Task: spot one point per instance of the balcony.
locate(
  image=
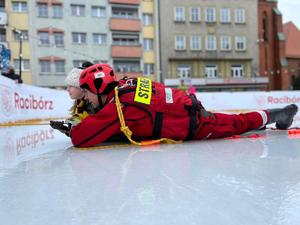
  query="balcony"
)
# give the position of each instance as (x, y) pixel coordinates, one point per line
(118, 51)
(120, 75)
(121, 24)
(3, 43)
(126, 2)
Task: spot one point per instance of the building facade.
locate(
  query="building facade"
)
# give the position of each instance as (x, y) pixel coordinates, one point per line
(132, 25)
(17, 37)
(3, 36)
(59, 35)
(78, 32)
(150, 39)
(126, 30)
(215, 45)
(292, 51)
(211, 44)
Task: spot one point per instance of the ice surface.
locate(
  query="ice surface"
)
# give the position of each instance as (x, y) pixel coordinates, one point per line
(254, 179)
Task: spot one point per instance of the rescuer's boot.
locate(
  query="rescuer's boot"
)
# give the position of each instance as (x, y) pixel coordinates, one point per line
(282, 117)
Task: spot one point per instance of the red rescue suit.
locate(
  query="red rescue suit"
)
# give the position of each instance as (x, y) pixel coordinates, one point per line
(171, 114)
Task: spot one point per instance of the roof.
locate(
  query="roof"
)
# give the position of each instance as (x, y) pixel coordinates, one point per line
(277, 11)
(292, 33)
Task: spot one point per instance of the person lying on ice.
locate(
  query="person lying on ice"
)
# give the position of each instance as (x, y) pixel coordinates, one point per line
(146, 111)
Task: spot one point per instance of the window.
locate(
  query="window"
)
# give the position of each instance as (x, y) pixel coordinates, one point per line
(125, 13)
(148, 44)
(148, 69)
(78, 63)
(79, 38)
(24, 35)
(225, 43)
(127, 66)
(100, 61)
(25, 64)
(225, 15)
(125, 39)
(59, 66)
(77, 10)
(42, 9)
(179, 14)
(57, 11)
(240, 43)
(265, 27)
(195, 14)
(211, 43)
(99, 39)
(211, 71)
(44, 38)
(184, 71)
(195, 42)
(147, 19)
(45, 66)
(98, 11)
(58, 39)
(180, 42)
(210, 14)
(2, 35)
(19, 6)
(240, 16)
(237, 71)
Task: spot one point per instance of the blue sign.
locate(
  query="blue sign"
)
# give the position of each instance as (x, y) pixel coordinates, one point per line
(5, 57)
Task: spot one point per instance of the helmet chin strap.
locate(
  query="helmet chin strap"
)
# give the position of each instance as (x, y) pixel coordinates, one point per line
(99, 100)
(97, 86)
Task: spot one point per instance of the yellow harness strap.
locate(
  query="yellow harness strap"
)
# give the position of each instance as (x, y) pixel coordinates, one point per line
(128, 133)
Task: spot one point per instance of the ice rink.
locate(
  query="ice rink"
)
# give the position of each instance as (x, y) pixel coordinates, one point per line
(252, 179)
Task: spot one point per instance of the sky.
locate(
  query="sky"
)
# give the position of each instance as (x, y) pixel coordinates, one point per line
(290, 10)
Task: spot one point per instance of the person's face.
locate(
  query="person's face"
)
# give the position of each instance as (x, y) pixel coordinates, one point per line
(75, 92)
(91, 97)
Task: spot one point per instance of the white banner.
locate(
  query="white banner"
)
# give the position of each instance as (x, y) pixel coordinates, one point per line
(249, 101)
(20, 102)
(23, 143)
(24, 102)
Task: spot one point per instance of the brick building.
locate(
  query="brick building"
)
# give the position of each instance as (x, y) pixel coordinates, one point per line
(271, 40)
(292, 51)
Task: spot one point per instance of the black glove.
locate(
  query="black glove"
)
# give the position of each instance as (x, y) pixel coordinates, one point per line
(61, 126)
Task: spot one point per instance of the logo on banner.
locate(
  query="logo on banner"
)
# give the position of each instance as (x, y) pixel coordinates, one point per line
(6, 101)
(260, 100)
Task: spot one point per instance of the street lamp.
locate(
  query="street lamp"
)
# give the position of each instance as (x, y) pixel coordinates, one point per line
(19, 32)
